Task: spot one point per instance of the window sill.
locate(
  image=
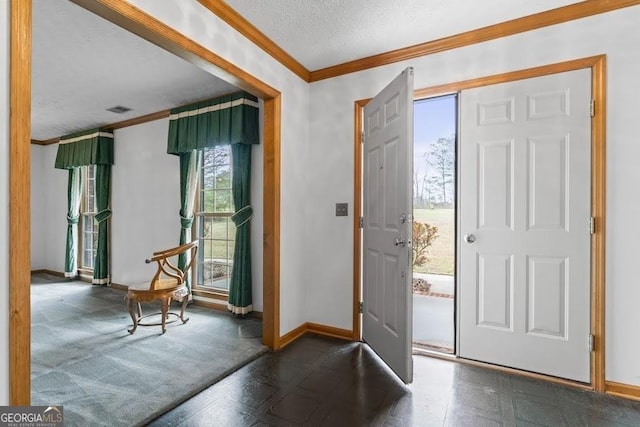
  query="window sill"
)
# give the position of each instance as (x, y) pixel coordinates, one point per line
(210, 293)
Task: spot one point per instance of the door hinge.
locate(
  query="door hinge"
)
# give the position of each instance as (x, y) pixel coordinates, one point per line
(592, 225)
(591, 342)
(361, 307)
(362, 137)
(361, 222)
(592, 108)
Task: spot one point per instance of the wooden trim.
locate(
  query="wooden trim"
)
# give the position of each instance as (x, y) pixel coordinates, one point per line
(330, 331)
(19, 204)
(220, 296)
(626, 391)
(47, 271)
(598, 203)
(134, 20)
(292, 335)
(598, 186)
(46, 142)
(119, 287)
(131, 18)
(527, 73)
(559, 15)
(244, 27)
(138, 120)
(315, 328)
(210, 304)
(357, 214)
(271, 224)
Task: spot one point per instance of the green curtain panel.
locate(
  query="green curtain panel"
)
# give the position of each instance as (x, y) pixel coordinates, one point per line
(189, 175)
(227, 120)
(240, 301)
(103, 191)
(92, 147)
(230, 119)
(74, 195)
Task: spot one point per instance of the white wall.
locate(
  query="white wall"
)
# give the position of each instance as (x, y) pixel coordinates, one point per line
(329, 291)
(145, 200)
(38, 205)
(55, 210)
(4, 201)
(198, 23)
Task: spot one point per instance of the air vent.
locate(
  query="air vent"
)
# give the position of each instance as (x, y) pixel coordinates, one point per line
(119, 109)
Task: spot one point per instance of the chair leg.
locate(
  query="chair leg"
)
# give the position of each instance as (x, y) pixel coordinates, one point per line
(165, 313)
(139, 311)
(185, 300)
(132, 312)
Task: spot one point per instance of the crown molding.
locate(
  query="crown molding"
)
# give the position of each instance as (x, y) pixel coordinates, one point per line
(247, 29)
(503, 29)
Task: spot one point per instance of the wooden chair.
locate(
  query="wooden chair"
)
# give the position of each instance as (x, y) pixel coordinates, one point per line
(169, 283)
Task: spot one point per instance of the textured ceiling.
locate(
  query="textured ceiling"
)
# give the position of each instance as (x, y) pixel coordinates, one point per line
(319, 34)
(83, 65)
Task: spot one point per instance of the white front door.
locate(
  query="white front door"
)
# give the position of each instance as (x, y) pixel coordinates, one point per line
(387, 208)
(524, 236)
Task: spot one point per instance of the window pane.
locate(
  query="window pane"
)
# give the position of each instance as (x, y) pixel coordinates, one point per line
(223, 201)
(215, 231)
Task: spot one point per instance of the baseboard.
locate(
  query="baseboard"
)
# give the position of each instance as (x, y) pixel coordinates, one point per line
(329, 331)
(317, 329)
(46, 271)
(119, 287)
(626, 391)
(293, 335)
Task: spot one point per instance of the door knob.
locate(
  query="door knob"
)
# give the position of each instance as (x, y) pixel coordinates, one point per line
(469, 238)
(400, 241)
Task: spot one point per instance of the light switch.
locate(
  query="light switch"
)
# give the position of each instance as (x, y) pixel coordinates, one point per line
(342, 209)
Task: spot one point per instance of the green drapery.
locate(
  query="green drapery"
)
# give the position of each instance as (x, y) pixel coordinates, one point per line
(93, 147)
(103, 191)
(240, 301)
(74, 195)
(189, 175)
(230, 119)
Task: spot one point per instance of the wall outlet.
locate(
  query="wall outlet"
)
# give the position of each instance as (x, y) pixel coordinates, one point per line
(342, 209)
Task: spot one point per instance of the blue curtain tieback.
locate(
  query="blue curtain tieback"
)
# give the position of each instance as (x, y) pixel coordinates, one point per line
(242, 216)
(185, 221)
(73, 220)
(103, 215)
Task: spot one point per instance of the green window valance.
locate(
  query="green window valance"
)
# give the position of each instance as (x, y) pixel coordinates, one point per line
(93, 147)
(229, 119)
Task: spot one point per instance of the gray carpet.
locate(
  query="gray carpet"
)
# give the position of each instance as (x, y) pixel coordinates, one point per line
(83, 358)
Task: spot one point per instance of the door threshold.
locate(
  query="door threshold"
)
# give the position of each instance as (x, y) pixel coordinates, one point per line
(527, 374)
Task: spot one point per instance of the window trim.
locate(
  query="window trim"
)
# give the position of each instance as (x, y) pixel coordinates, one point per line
(82, 269)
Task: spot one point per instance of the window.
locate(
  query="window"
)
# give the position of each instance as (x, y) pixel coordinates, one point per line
(88, 224)
(215, 231)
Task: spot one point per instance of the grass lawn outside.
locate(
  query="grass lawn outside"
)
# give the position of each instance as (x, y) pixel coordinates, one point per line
(441, 255)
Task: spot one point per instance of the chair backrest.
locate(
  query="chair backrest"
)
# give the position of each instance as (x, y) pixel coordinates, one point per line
(169, 269)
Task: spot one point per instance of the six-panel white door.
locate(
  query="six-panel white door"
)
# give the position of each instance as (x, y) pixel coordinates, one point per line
(524, 235)
(387, 209)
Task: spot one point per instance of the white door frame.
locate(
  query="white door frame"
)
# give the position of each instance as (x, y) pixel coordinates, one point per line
(597, 64)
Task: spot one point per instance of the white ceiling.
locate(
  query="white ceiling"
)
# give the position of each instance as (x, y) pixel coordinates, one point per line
(321, 33)
(83, 65)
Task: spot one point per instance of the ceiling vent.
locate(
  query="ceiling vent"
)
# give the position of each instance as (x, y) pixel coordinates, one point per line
(119, 109)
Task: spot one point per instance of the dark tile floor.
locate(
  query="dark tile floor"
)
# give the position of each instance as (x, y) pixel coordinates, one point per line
(319, 381)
